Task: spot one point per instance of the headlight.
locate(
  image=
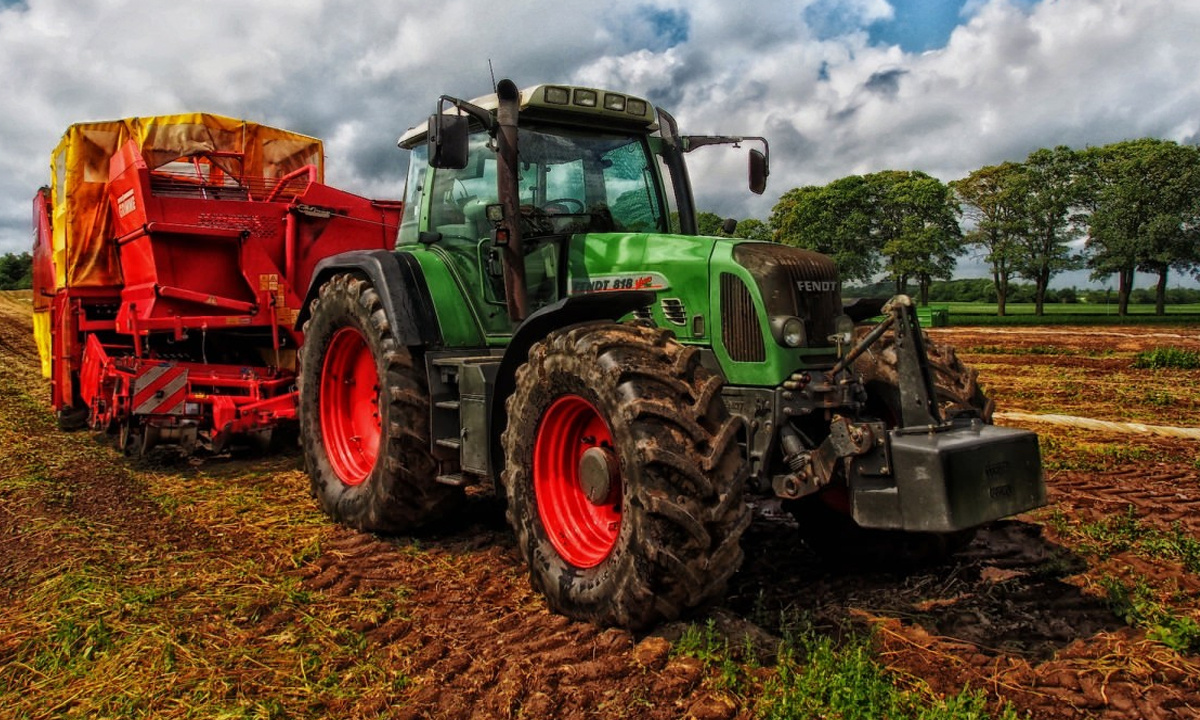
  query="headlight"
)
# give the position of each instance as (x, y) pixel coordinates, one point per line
(788, 330)
(843, 327)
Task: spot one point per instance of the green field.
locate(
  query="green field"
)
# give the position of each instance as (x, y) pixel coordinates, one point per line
(1066, 314)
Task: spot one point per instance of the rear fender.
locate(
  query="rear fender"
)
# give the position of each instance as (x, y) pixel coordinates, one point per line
(402, 290)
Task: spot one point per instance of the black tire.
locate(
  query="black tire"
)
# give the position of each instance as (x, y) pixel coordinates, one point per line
(956, 385)
(397, 491)
(825, 523)
(72, 418)
(679, 493)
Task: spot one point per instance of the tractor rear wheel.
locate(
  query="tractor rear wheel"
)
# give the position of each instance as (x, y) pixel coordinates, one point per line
(824, 519)
(364, 416)
(624, 475)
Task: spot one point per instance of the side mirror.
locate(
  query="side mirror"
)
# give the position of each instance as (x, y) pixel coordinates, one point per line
(758, 172)
(448, 145)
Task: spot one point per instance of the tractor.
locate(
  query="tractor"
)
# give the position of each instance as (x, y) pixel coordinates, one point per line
(550, 327)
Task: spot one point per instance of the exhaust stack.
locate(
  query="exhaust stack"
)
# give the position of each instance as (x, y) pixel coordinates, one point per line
(507, 190)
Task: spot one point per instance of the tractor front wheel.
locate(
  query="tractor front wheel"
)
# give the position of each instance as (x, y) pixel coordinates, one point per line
(364, 416)
(624, 475)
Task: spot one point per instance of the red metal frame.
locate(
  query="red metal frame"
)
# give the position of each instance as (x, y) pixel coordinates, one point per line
(212, 266)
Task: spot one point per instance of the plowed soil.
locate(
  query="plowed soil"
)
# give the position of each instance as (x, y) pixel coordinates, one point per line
(208, 587)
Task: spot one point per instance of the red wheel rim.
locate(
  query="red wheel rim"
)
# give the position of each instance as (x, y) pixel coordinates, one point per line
(349, 406)
(583, 531)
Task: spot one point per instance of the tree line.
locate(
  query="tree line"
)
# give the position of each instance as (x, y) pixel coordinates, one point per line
(1136, 205)
(982, 291)
(16, 271)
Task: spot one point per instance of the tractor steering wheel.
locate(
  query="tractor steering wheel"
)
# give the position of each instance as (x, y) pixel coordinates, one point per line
(562, 206)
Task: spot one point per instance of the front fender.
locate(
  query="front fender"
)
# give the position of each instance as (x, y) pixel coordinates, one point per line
(402, 289)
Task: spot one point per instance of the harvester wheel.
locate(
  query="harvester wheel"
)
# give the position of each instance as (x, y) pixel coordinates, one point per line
(824, 518)
(624, 475)
(364, 416)
(72, 418)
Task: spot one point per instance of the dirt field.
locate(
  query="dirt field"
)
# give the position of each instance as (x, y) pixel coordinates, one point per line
(215, 588)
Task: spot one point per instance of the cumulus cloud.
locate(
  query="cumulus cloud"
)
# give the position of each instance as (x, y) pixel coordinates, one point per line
(833, 98)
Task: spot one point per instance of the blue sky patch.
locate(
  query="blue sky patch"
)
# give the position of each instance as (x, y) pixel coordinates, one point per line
(915, 25)
(918, 25)
(667, 27)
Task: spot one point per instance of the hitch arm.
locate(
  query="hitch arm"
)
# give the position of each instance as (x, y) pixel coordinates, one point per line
(918, 401)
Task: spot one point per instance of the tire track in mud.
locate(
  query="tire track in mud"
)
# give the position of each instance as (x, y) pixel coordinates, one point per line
(478, 642)
(1101, 668)
(1163, 494)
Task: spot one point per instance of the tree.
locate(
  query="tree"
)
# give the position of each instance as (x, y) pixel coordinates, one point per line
(16, 271)
(710, 224)
(1053, 194)
(1144, 212)
(993, 199)
(753, 229)
(834, 219)
(915, 226)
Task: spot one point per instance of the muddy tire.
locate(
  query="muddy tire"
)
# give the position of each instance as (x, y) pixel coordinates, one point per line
(364, 416)
(824, 519)
(624, 475)
(956, 385)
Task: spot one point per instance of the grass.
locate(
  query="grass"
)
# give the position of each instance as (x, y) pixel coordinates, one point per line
(1126, 531)
(1167, 357)
(1138, 606)
(826, 675)
(1066, 452)
(1067, 314)
(1055, 309)
(1052, 350)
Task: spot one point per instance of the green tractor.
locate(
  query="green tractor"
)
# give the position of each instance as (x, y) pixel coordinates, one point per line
(551, 327)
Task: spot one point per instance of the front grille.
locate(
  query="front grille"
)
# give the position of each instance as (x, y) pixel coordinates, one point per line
(740, 330)
(796, 282)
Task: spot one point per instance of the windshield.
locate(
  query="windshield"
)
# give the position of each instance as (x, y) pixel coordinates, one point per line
(569, 181)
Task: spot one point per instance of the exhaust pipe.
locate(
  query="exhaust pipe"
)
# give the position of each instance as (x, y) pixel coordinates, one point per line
(516, 297)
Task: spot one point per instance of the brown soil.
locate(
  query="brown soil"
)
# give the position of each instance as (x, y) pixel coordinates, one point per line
(446, 625)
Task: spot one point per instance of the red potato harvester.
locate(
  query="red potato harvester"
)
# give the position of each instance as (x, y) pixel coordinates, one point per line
(171, 257)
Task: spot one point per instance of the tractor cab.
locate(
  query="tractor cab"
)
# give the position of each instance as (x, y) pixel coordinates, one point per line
(570, 180)
(584, 162)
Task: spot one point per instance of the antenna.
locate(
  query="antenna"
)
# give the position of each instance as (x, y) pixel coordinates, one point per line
(493, 73)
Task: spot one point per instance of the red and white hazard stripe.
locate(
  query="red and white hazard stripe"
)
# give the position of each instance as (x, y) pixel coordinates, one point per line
(160, 390)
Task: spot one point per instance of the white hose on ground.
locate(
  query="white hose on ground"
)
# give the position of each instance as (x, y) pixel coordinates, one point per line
(1104, 425)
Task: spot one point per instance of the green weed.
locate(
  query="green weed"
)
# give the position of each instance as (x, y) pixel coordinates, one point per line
(817, 675)
(712, 649)
(1127, 532)
(1167, 357)
(1137, 607)
(1060, 455)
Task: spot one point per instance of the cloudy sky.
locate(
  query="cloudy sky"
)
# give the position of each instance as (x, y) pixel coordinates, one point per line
(838, 86)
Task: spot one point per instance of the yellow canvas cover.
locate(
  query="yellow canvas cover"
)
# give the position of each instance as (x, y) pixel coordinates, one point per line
(84, 254)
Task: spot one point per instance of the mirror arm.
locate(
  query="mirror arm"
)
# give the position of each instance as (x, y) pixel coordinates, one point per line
(484, 117)
(691, 142)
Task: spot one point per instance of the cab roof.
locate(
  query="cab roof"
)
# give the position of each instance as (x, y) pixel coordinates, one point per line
(567, 103)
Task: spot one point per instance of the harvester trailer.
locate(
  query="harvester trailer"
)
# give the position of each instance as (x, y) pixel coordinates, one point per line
(171, 256)
(550, 327)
